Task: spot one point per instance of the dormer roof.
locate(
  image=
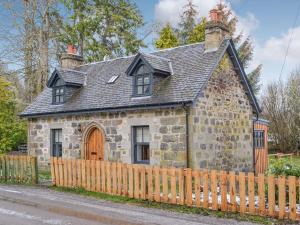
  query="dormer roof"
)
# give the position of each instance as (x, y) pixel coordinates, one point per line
(156, 64)
(70, 77)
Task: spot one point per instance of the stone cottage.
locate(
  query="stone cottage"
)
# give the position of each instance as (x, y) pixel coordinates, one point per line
(190, 106)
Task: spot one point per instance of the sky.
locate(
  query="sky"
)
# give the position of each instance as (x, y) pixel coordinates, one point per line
(269, 23)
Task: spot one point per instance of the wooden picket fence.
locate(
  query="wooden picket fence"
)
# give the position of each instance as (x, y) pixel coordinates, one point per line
(18, 169)
(216, 190)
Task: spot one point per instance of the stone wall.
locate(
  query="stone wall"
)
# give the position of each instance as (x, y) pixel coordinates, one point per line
(221, 123)
(167, 130)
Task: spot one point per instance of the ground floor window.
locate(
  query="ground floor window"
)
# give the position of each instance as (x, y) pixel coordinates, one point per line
(259, 139)
(141, 145)
(56, 137)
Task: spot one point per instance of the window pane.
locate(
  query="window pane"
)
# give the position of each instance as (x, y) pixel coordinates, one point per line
(59, 135)
(143, 153)
(259, 139)
(146, 135)
(147, 89)
(140, 90)
(139, 80)
(146, 79)
(57, 91)
(61, 98)
(61, 90)
(139, 134)
(55, 136)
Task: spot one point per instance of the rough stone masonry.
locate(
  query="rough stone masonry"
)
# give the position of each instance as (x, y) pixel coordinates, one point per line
(167, 135)
(220, 134)
(221, 123)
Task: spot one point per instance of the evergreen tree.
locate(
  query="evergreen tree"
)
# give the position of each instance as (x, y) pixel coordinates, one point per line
(103, 28)
(245, 48)
(167, 38)
(187, 22)
(198, 33)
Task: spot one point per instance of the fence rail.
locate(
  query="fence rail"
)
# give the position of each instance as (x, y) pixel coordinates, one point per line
(216, 190)
(18, 169)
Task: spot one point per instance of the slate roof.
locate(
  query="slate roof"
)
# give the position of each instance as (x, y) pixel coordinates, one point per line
(69, 76)
(158, 63)
(192, 67)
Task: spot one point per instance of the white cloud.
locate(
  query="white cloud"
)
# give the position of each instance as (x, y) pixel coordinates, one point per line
(274, 49)
(247, 24)
(271, 55)
(170, 10)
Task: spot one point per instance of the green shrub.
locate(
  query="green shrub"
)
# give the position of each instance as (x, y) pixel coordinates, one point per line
(284, 167)
(12, 129)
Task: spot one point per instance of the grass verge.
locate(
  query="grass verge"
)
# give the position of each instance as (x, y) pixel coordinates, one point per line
(174, 208)
(44, 175)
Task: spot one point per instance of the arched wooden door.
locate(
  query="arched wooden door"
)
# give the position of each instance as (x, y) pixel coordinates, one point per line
(94, 148)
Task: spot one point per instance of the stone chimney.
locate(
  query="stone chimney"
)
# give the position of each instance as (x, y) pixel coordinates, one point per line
(70, 59)
(215, 31)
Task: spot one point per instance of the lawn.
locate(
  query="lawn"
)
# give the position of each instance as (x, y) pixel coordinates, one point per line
(294, 159)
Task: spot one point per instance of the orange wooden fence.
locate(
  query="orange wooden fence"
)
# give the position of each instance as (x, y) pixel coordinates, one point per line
(216, 190)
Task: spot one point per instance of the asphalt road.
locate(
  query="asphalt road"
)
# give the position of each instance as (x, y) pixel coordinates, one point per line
(26, 205)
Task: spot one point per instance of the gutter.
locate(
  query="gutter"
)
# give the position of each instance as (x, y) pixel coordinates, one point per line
(110, 109)
(187, 113)
(254, 161)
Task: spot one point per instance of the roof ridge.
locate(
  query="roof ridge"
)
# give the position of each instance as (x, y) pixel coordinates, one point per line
(151, 53)
(181, 46)
(108, 60)
(155, 56)
(70, 70)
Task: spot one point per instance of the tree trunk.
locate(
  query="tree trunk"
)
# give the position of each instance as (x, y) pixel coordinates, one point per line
(28, 49)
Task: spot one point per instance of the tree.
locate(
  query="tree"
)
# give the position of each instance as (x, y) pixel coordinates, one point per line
(78, 27)
(198, 33)
(167, 38)
(187, 22)
(282, 108)
(30, 41)
(12, 129)
(245, 48)
(103, 28)
(187, 32)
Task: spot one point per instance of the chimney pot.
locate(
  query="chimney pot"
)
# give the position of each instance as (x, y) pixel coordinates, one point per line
(70, 59)
(71, 49)
(215, 30)
(213, 14)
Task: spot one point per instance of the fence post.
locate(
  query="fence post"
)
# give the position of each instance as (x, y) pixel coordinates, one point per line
(5, 168)
(34, 168)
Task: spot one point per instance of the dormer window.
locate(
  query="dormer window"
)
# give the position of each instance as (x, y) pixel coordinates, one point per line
(144, 69)
(142, 81)
(58, 92)
(64, 83)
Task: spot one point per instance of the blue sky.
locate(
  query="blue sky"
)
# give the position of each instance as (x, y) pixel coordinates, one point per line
(269, 23)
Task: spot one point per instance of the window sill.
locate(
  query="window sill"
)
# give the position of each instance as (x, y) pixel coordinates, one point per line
(142, 162)
(141, 97)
